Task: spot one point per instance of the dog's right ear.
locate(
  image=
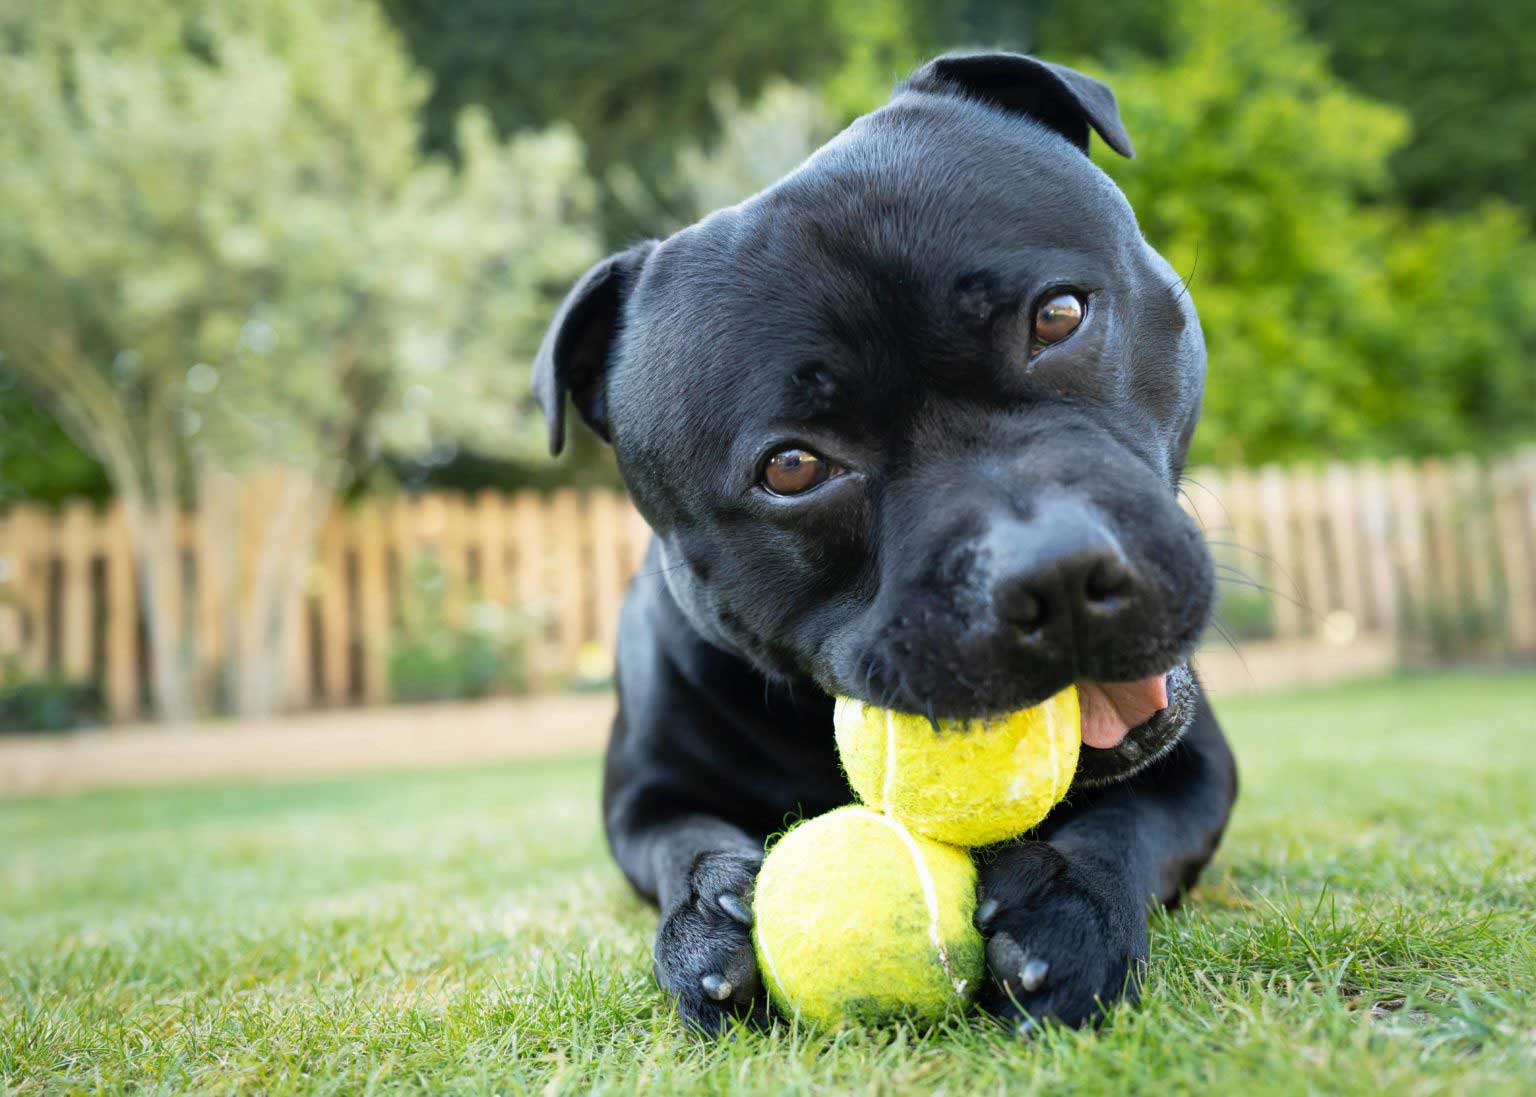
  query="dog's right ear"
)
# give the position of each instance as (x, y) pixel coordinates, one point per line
(1064, 99)
(574, 357)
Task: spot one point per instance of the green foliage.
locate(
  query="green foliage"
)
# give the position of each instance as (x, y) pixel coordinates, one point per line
(38, 461)
(1335, 322)
(224, 213)
(434, 656)
(634, 83)
(48, 704)
(1465, 73)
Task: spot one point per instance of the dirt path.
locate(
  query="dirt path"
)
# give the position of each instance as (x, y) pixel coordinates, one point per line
(420, 736)
(401, 737)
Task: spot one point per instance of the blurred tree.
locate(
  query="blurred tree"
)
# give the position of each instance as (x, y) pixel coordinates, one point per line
(1466, 74)
(38, 460)
(229, 271)
(1337, 323)
(634, 79)
(758, 144)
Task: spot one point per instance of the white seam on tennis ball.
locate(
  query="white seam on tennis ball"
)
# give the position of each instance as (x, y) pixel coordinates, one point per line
(930, 893)
(773, 972)
(888, 786)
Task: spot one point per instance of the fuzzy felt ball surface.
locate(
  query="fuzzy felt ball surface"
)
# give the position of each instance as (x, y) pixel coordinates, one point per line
(857, 918)
(968, 782)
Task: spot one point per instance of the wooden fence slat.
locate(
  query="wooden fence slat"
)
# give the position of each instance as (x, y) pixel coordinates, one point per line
(373, 616)
(225, 546)
(1514, 524)
(529, 601)
(1474, 516)
(298, 664)
(1241, 542)
(603, 527)
(30, 539)
(1344, 513)
(490, 539)
(1406, 549)
(1275, 518)
(1374, 502)
(122, 646)
(637, 536)
(10, 612)
(1408, 541)
(331, 592)
(1308, 525)
(77, 550)
(1445, 574)
(1201, 497)
(564, 576)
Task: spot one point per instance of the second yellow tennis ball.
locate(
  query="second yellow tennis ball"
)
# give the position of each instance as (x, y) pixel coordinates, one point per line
(857, 918)
(969, 783)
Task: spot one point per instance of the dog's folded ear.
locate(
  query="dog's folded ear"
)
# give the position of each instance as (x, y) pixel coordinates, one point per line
(1054, 95)
(574, 356)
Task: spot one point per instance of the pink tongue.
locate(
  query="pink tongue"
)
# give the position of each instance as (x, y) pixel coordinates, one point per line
(1110, 709)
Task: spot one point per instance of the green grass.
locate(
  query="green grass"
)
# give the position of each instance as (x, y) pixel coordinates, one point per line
(1369, 925)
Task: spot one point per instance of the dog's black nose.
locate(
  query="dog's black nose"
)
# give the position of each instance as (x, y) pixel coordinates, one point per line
(1059, 569)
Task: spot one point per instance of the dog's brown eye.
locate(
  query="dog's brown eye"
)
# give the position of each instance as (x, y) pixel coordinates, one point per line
(794, 471)
(1056, 318)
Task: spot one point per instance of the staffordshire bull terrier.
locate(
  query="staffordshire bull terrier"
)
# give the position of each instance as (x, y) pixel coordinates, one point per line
(907, 425)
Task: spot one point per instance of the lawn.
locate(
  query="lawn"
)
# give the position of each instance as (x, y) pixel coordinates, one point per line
(1369, 925)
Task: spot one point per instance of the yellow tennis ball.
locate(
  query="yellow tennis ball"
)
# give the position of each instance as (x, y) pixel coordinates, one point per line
(855, 917)
(970, 783)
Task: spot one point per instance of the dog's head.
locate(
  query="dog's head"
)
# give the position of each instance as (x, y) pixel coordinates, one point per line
(910, 422)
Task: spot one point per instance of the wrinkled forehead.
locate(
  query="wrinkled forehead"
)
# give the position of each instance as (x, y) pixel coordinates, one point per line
(904, 201)
(856, 249)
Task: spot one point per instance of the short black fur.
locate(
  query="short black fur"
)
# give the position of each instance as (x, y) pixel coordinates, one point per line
(1007, 524)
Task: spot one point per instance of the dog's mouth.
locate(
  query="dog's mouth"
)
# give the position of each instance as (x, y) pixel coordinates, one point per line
(1110, 710)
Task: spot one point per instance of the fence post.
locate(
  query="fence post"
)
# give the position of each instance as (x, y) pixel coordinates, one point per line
(490, 531)
(335, 636)
(1376, 546)
(1408, 539)
(1474, 518)
(1344, 512)
(122, 647)
(77, 550)
(1445, 576)
(1514, 515)
(1308, 523)
(603, 518)
(373, 617)
(637, 536)
(29, 540)
(1275, 517)
(566, 576)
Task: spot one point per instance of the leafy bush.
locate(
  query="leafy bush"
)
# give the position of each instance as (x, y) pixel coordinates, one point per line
(49, 704)
(438, 656)
(1337, 321)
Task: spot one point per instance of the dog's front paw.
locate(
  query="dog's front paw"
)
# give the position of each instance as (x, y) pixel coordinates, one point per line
(704, 955)
(1062, 942)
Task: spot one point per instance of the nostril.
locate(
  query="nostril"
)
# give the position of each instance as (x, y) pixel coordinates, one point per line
(1027, 610)
(1109, 578)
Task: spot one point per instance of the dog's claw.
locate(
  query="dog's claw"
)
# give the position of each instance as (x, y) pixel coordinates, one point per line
(732, 905)
(1032, 975)
(986, 912)
(1027, 1029)
(717, 986)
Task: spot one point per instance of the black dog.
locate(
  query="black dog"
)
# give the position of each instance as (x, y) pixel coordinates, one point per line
(908, 426)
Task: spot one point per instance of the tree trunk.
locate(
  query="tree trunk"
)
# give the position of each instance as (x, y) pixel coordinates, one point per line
(154, 526)
(285, 534)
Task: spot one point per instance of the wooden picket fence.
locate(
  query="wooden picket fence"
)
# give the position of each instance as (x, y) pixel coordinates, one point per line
(1438, 557)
